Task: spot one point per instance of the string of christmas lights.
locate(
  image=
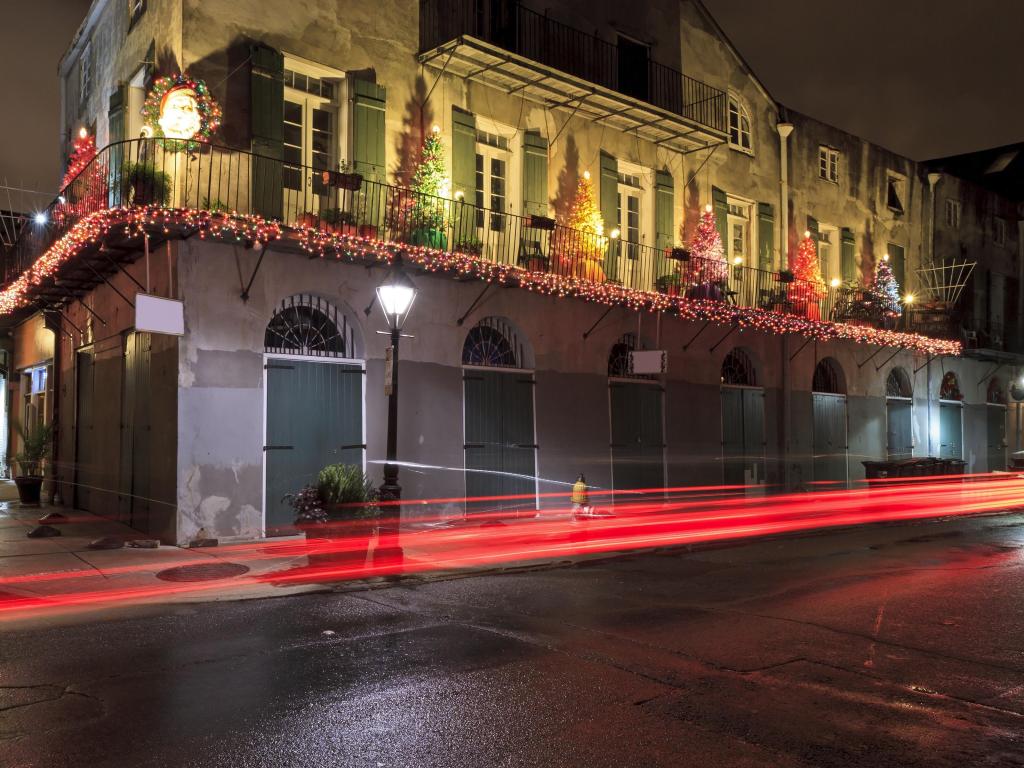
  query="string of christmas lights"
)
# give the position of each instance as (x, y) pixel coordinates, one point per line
(134, 222)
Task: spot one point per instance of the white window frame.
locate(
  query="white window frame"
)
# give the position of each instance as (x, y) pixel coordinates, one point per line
(136, 10)
(85, 73)
(999, 231)
(953, 212)
(485, 126)
(830, 262)
(900, 182)
(739, 108)
(740, 211)
(828, 163)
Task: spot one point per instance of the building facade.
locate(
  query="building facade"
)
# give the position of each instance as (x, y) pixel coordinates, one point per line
(517, 376)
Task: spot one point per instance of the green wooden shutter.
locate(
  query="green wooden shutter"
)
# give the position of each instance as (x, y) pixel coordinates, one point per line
(535, 174)
(812, 227)
(721, 207)
(765, 235)
(846, 255)
(267, 123)
(116, 114)
(369, 103)
(464, 153)
(608, 197)
(664, 220)
(897, 263)
(115, 122)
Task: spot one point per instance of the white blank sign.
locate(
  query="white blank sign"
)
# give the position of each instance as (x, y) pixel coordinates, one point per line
(648, 361)
(154, 314)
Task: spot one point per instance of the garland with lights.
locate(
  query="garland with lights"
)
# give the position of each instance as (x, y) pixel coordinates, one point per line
(209, 111)
(134, 222)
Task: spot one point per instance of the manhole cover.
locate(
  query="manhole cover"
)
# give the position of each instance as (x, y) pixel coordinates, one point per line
(207, 572)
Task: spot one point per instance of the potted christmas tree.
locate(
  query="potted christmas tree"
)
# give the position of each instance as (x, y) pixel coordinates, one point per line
(808, 286)
(885, 291)
(431, 188)
(581, 244)
(707, 259)
(36, 442)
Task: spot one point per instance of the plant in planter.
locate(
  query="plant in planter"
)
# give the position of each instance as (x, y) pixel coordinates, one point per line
(670, 284)
(470, 247)
(36, 442)
(342, 508)
(339, 221)
(142, 184)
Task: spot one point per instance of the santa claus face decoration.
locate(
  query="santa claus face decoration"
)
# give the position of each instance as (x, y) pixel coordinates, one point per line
(179, 113)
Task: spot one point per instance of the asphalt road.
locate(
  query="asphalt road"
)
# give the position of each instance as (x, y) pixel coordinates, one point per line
(886, 646)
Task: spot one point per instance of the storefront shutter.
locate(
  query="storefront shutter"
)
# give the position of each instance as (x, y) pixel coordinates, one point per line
(535, 174)
(267, 124)
(464, 153)
(765, 235)
(846, 255)
(369, 102)
(608, 196)
(720, 206)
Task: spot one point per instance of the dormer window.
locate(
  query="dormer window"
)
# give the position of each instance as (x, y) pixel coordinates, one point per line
(895, 187)
(739, 126)
(828, 164)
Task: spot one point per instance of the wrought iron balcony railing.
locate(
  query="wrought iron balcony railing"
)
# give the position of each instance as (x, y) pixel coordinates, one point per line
(536, 37)
(230, 182)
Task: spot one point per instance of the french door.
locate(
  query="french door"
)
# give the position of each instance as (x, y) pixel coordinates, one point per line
(492, 193)
(310, 147)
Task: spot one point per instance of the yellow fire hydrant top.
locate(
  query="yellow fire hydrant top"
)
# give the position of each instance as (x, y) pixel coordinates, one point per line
(579, 492)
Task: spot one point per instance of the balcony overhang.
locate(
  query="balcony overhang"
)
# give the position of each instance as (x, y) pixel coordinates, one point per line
(474, 59)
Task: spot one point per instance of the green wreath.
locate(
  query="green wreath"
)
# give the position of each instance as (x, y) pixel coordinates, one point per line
(208, 110)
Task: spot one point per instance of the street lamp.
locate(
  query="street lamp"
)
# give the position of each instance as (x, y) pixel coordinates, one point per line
(396, 296)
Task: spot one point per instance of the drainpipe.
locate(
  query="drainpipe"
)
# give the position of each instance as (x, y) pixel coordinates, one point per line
(933, 181)
(784, 129)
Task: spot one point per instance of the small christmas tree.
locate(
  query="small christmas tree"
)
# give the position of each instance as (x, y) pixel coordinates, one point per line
(885, 289)
(707, 251)
(83, 151)
(429, 206)
(84, 186)
(582, 244)
(809, 287)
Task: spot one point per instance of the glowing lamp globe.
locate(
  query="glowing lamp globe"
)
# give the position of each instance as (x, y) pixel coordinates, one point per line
(396, 295)
(707, 208)
(179, 113)
(834, 282)
(586, 175)
(885, 257)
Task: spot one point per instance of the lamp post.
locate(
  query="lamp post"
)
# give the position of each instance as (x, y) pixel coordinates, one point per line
(396, 295)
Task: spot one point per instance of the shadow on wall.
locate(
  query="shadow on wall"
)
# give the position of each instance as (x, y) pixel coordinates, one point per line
(691, 211)
(568, 179)
(867, 254)
(229, 81)
(417, 120)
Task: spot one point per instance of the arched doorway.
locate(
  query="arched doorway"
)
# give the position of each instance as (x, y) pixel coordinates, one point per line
(313, 385)
(899, 406)
(498, 417)
(996, 425)
(951, 418)
(743, 442)
(636, 407)
(828, 393)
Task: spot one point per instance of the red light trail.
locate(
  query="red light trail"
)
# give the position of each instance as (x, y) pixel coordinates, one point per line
(653, 518)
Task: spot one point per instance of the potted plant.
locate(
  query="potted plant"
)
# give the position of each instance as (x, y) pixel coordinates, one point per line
(785, 276)
(469, 246)
(669, 284)
(338, 221)
(36, 442)
(142, 184)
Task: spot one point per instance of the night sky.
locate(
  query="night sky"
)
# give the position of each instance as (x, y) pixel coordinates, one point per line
(922, 77)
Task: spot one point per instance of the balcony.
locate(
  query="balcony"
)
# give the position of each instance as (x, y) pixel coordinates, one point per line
(219, 192)
(527, 54)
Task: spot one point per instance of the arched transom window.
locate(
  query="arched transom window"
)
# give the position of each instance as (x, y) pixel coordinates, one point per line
(309, 325)
(996, 395)
(738, 370)
(949, 389)
(827, 378)
(492, 343)
(618, 358)
(739, 125)
(898, 384)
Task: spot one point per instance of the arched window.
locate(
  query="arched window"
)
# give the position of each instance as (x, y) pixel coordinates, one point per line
(898, 384)
(492, 343)
(949, 389)
(827, 377)
(996, 395)
(618, 358)
(738, 370)
(739, 125)
(309, 325)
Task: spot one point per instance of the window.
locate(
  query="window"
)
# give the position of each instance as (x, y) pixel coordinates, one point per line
(898, 384)
(85, 71)
(738, 245)
(894, 193)
(313, 121)
(492, 163)
(494, 344)
(739, 126)
(309, 325)
(309, 84)
(953, 213)
(828, 252)
(627, 209)
(737, 370)
(828, 164)
(827, 378)
(135, 10)
(949, 388)
(999, 231)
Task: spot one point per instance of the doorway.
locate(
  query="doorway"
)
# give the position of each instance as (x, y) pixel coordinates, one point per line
(829, 423)
(634, 69)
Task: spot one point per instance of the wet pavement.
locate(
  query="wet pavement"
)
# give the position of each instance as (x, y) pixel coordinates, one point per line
(897, 645)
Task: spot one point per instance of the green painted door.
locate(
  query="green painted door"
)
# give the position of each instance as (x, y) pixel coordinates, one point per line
(314, 418)
(829, 437)
(638, 440)
(501, 452)
(996, 417)
(951, 431)
(899, 434)
(742, 435)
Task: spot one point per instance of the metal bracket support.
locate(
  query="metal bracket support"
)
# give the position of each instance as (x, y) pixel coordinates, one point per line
(590, 330)
(730, 333)
(686, 346)
(992, 372)
(120, 268)
(91, 311)
(800, 349)
(472, 306)
(110, 284)
(252, 278)
(887, 360)
(922, 365)
(869, 358)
